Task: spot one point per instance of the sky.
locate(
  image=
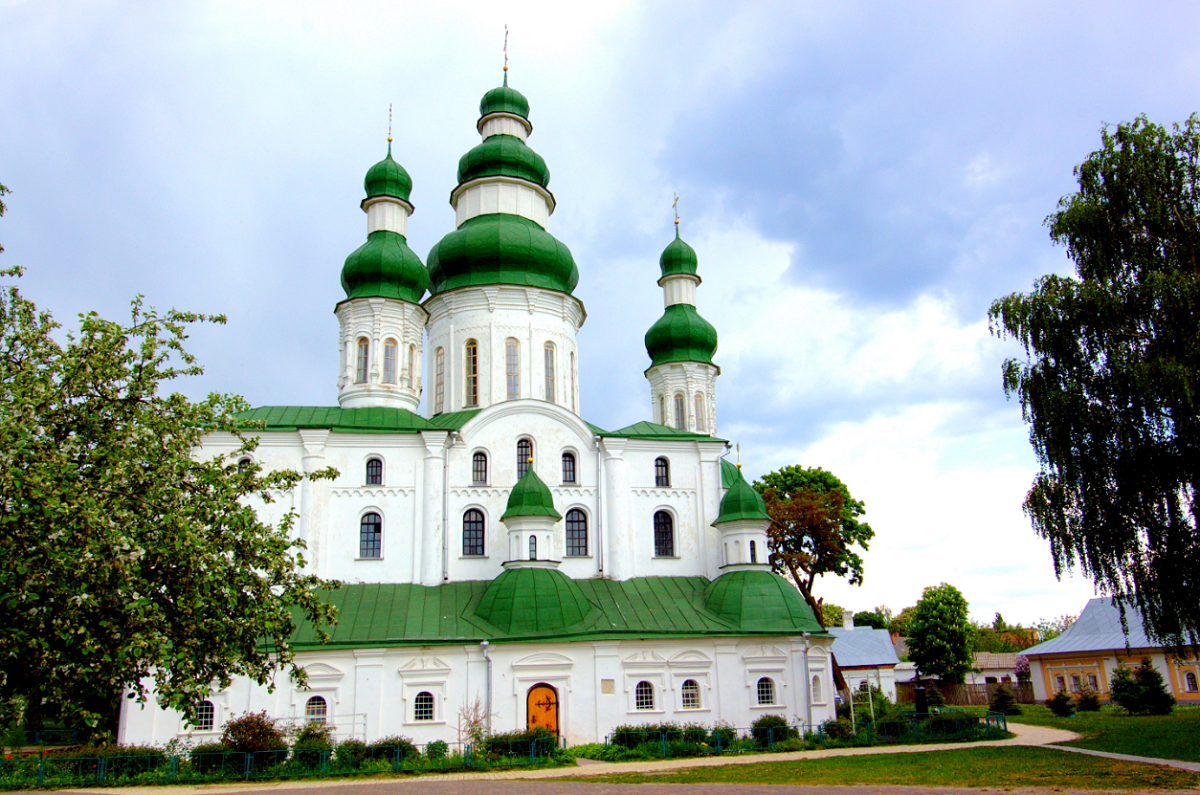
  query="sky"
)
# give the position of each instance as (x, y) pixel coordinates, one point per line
(859, 180)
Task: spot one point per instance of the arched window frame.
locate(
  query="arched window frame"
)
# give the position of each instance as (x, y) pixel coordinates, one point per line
(366, 544)
(412, 366)
(816, 691)
(700, 412)
(424, 706)
(474, 532)
(570, 467)
(689, 694)
(391, 356)
(1190, 679)
(479, 468)
(316, 710)
(362, 360)
(439, 381)
(533, 547)
(373, 471)
(643, 696)
(765, 690)
(664, 534)
(525, 451)
(512, 368)
(680, 412)
(662, 472)
(753, 551)
(244, 463)
(576, 533)
(548, 360)
(206, 716)
(471, 374)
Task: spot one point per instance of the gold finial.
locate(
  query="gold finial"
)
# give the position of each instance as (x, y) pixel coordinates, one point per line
(506, 54)
(529, 460)
(675, 207)
(389, 122)
(739, 456)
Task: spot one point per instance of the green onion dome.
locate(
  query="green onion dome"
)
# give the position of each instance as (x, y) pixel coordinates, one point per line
(678, 257)
(385, 267)
(501, 249)
(681, 335)
(530, 497)
(503, 155)
(760, 601)
(527, 602)
(388, 178)
(742, 502)
(504, 100)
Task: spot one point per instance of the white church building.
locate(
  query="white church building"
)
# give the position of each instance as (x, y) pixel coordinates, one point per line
(499, 547)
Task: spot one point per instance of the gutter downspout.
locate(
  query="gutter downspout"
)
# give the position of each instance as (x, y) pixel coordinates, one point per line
(487, 716)
(600, 505)
(807, 678)
(446, 506)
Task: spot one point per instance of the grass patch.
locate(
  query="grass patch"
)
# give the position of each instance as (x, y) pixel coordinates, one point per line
(970, 767)
(1171, 736)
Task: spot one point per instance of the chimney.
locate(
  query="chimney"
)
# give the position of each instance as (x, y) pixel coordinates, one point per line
(847, 619)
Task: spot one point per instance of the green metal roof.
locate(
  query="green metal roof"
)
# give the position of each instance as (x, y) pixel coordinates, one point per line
(654, 431)
(385, 267)
(504, 100)
(729, 473)
(506, 156)
(499, 248)
(681, 335)
(678, 257)
(364, 420)
(388, 178)
(453, 420)
(530, 497)
(741, 502)
(401, 614)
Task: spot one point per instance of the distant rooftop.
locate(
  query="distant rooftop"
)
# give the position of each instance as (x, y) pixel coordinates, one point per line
(863, 647)
(1098, 628)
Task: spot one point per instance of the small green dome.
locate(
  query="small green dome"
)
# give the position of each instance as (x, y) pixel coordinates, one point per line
(504, 100)
(503, 155)
(741, 502)
(530, 497)
(760, 601)
(385, 267)
(501, 249)
(388, 178)
(526, 602)
(681, 335)
(678, 257)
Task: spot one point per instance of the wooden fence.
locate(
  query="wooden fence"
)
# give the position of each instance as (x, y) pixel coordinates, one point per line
(967, 695)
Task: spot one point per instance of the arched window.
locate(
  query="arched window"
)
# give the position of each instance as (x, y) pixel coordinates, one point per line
(699, 413)
(753, 552)
(568, 467)
(423, 706)
(816, 690)
(1191, 682)
(664, 535)
(576, 533)
(662, 472)
(571, 381)
(548, 353)
(389, 362)
(533, 547)
(512, 367)
(439, 381)
(374, 472)
(680, 413)
(364, 360)
(766, 691)
(473, 532)
(316, 710)
(243, 465)
(412, 366)
(690, 692)
(471, 381)
(370, 536)
(662, 409)
(643, 695)
(206, 715)
(524, 454)
(479, 469)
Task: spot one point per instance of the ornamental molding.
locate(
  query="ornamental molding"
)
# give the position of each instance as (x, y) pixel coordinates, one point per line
(576, 492)
(530, 407)
(480, 492)
(372, 491)
(646, 658)
(544, 660)
(424, 665)
(323, 672)
(764, 654)
(658, 493)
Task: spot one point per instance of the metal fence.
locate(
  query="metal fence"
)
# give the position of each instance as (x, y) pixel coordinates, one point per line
(967, 695)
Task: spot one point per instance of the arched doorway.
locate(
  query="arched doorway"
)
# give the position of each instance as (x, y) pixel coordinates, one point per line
(542, 707)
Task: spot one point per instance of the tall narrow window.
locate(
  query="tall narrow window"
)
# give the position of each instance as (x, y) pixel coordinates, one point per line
(374, 472)
(316, 710)
(370, 536)
(664, 535)
(412, 366)
(662, 472)
(571, 381)
(512, 367)
(699, 413)
(364, 360)
(473, 532)
(766, 691)
(549, 356)
(691, 694)
(423, 706)
(524, 453)
(568, 467)
(389, 362)
(471, 382)
(753, 552)
(1191, 682)
(576, 533)
(816, 690)
(439, 381)
(643, 695)
(680, 413)
(206, 715)
(479, 469)
(533, 547)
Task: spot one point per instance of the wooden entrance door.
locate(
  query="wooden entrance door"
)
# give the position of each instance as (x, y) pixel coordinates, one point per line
(542, 707)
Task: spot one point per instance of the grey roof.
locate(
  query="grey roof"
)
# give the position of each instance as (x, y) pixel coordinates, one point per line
(1098, 628)
(863, 646)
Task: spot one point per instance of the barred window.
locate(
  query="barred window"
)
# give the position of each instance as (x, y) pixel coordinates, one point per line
(473, 532)
(315, 710)
(364, 360)
(524, 453)
(1061, 683)
(691, 694)
(568, 467)
(512, 367)
(664, 535)
(1075, 683)
(1191, 682)
(753, 552)
(577, 541)
(643, 695)
(479, 469)
(471, 382)
(533, 547)
(423, 706)
(243, 465)
(1093, 685)
(206, 715)
(662, 472)
(439, 382)
(766, 690)
(699, 412)
(549, 357)
(374, 472)
(370, 536)
(389, 362)
(680, 413)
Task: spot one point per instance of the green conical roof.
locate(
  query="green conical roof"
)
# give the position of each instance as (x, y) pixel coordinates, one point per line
(501, 249)
(678, 257)
(530, 497)
(741, 502)
(385, 267)
(504, 100)
(388, 178)
(760, 601)
(527, 601)
(681, 335)
(506, 156)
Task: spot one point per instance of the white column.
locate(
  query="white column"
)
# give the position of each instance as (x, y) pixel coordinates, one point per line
(619, 545)
(728, 685)
(368, 688)
(314, 498)
(431, 548)
(609, 706)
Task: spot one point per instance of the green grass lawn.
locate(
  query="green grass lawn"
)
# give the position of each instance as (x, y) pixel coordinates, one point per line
(1174, 736)
(969, 767)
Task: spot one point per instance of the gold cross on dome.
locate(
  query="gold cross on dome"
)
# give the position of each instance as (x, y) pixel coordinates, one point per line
(506, 54)
(675, 207)
(389, 122)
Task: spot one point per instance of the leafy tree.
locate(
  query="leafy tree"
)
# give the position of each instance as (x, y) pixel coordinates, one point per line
(816, 528)
(939, 641)
(901, 623)
(1004, 701)
(870, 619)
(831, 614)
(1001, 637)
(1061, 704)
(1111, 384)
(1049, 628)
(1140, 690)
(124, 558)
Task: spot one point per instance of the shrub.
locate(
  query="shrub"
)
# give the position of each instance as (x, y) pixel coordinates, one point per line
(632, 736)
(251, 733)
(120, 760)
(314, 741)
(537, 741)
(1087, 700)
(210, 757)
(723, 735)
(770, 729)
(386, 748)
(436, 750)
(1141, 690)
(352, 752)
(1061, 704)
(790, 744)
(1004, 701)
(933, 695)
